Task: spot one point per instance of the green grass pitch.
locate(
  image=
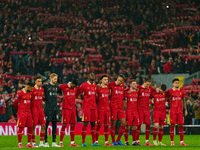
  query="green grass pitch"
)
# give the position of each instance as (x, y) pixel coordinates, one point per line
(10, 142)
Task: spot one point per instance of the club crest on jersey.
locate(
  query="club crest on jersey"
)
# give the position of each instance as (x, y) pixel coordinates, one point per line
(89, 93)
(116, 92)
(102, 95)
(67, 93)
(142, 94)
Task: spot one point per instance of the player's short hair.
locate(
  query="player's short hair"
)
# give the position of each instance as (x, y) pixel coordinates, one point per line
(122, 76)
(38, 77)
(147, 80)
(31, 84)
(132, 80)
(53, 75)
(163, 87)
(175, 80)
(103, 76)
(75, 81)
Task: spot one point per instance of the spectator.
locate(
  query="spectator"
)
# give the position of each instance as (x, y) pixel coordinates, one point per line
(152, 67)
(2, 110)
(168, 67)
(20, 63)
(178, 66)
(12, 120)
(188, 118)
(196, 109)
(162, 63)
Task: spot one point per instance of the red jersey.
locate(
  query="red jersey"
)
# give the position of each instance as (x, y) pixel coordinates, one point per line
(22, 102)
(175, 97)
(117, 95)
(90, 91)
(159, 101)
(37, 97)
(103, 98)
(144, 96)
(69, 96)
(132, 100)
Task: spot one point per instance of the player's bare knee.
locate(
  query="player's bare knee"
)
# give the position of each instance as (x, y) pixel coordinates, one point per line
(161, 126)
(156, 125)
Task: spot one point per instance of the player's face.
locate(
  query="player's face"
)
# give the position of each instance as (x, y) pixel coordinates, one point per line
(73, 85)
(147, 84)
(119, 81)
(54, 80)
(133, 85)
(105, 81)
(176, 84)
(30, 89)
(161, 91)
(91, 77)
(38, 82)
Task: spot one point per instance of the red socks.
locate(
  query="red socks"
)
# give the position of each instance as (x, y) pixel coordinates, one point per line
(134, 135)
(120, 133)
(126, 135)
(42, 136)
(93, 132)
(138, 132)
(106, 132)
(154, 133)
(30, 131)
(112, 132)
(147, 132)
(172, 132)
(19, 134)
(72, 132)
(33, 138)
(181, 132)
(62, 133)
(160, 135)
(97, 132)
(84, 128)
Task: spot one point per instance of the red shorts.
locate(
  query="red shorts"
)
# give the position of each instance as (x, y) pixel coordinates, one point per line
(144, 116)
(117, 113)
(176, 118)
(103, 117)
(24, 120)
(132, 119)
(38, 117)
(159, 117)
(68, 116)
(89, 115)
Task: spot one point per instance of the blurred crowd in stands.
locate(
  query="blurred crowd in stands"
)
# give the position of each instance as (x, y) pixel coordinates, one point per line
(72, 38)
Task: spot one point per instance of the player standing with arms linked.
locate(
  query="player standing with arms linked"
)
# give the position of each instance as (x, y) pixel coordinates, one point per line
(144, 93)
(37, 110)
(69, 110)
(159, 113)
(22, 104)
(116, 106)
(89, 90)
(132, 118)
(51, 110)
(103, 108)
(177, 102)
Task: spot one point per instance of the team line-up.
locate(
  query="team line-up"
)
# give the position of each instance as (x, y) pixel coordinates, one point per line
(102, 103)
